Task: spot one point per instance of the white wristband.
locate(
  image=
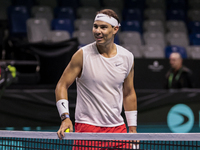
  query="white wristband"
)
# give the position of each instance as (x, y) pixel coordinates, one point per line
(62, 106)
(131, 117)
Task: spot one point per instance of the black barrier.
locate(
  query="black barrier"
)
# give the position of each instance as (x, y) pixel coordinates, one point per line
(21, 108)
(150, 73)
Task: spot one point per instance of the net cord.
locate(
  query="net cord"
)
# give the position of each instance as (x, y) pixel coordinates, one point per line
(104, 136)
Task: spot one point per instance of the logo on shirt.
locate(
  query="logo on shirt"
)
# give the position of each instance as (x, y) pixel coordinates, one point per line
(180, 119)
(118, 64)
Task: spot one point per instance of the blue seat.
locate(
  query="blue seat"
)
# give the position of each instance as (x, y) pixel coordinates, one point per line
(64, 12)
(27, 3)
(176, 4)
(134, 4)
(176, 14)
(194, 27)
(63, 24)
(68, 3)
(194, 38)
(131, 25)
(179, 49)
(132, 14)
(17, 17)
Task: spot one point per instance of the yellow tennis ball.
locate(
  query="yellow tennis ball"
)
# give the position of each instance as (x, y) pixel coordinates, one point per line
(67, 130)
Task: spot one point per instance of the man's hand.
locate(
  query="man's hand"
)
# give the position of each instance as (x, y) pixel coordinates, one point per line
(132, 129)
(65, 125)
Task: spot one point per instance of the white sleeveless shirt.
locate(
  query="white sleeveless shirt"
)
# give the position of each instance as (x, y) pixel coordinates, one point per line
(100, 87)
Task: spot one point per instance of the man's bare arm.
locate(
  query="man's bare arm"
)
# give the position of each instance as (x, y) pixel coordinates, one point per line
(129, 96)
(71, 72)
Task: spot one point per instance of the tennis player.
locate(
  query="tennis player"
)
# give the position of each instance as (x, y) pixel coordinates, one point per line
(104, 73)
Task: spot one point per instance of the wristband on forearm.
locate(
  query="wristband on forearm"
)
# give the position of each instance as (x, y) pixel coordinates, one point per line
(62, 106)
(131, 118)
(64, 116)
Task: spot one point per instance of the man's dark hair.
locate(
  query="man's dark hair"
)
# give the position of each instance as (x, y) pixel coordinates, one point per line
(110, 13)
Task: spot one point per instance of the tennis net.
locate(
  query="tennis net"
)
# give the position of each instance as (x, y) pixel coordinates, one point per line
(33, 140)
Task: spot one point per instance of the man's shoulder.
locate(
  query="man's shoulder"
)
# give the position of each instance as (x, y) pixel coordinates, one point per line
(88, 46)
(123, 50)
(186, 69)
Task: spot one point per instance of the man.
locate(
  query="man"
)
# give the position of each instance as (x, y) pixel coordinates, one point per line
(178, 76)
(104, 75)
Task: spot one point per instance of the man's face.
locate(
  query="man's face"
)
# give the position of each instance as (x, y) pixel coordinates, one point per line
(175, 61)
(103, 32)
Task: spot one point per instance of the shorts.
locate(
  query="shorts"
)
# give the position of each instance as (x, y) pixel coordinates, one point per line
(100, 145)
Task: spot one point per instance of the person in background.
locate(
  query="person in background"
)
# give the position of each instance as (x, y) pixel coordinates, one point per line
(104, 73)
(178, 76)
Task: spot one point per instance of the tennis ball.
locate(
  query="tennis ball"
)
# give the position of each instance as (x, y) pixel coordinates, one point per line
(67, 130)
(12, 69)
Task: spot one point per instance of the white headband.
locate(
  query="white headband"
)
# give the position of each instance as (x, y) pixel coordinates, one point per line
(108, 19)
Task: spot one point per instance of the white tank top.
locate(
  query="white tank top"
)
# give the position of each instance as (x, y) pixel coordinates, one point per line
(99, 89)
